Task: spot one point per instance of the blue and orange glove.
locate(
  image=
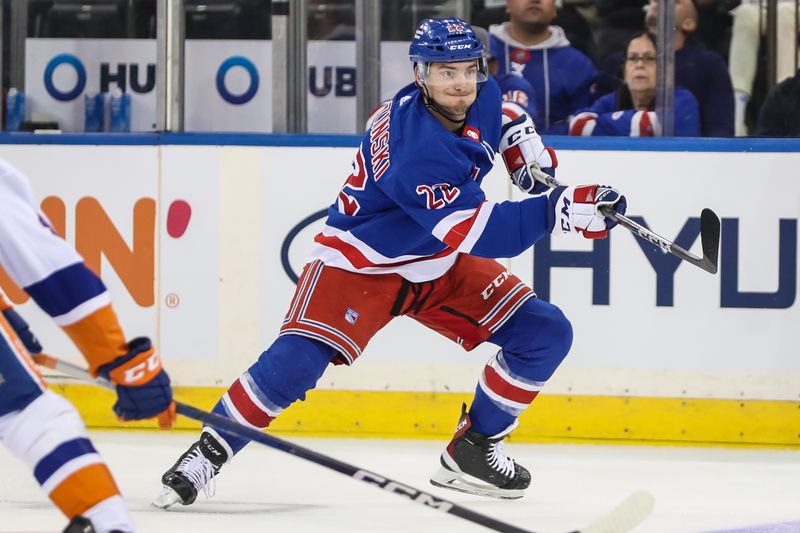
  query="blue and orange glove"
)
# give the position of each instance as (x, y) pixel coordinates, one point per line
(143, 387)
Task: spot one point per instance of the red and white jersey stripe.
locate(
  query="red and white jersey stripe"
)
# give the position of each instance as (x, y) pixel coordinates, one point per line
(462, 229)
(342, 249)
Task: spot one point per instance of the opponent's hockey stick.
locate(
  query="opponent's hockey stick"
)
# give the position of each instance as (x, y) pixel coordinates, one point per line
(709, 231)
(621, 519)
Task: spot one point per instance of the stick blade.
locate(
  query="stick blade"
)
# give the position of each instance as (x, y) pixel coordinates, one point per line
(709, 238)
(625, 516)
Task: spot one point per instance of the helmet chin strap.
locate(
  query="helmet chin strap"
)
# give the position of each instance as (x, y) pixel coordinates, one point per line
(431, 104)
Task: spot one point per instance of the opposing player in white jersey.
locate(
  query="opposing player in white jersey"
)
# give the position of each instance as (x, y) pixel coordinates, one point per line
(36, 425)
(412, 234)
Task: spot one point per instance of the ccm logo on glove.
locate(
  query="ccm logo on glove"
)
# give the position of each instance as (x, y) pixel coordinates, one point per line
(138, 372)
(578, 209)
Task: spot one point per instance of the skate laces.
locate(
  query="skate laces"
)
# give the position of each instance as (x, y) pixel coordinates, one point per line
(499, 461)
(200, 471)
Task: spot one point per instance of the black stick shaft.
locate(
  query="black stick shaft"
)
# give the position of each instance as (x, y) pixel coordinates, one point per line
(376, 480)
(371, 478)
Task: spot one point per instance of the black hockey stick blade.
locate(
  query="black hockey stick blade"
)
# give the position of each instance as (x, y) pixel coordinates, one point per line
(710, 229)
(709, 238)
(621, 519)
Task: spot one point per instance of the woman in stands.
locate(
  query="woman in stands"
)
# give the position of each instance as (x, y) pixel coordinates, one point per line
(631, 110)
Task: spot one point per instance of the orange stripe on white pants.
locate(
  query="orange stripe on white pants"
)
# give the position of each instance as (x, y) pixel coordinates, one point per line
(84, 489)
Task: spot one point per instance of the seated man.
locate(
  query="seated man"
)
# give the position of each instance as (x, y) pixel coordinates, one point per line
(561, 76)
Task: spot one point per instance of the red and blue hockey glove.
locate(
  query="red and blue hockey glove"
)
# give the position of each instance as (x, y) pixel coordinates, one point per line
(522, 149)
(578, 209)
(143, 387)
(22, 330)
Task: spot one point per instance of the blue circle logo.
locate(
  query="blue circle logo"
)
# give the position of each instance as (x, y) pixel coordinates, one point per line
(237, 61)
(80, 85)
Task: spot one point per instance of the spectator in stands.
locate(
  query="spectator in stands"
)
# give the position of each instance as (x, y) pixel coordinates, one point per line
(780, 115)
(331, 20)
(529, 45)
(714, 24)
(744, 50)
(617, 21)
(513, 87)
(631, 110)
(701, 71)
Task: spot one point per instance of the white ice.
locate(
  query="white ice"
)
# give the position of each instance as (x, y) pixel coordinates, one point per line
(696, 489)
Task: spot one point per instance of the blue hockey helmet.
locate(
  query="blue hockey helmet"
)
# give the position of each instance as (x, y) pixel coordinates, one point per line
(446, 41)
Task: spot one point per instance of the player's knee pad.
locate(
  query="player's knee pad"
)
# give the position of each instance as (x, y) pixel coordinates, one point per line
(290, 367)
(535, 340)
(38, 428)
(49, 436)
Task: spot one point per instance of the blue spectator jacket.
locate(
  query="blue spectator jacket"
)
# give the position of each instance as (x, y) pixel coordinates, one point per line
(603, 118)
(561, 76)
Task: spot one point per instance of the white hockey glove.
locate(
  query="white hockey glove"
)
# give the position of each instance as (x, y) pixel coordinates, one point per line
(578, 209)
(522, 149)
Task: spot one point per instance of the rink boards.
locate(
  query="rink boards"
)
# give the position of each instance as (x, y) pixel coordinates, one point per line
(663, 351)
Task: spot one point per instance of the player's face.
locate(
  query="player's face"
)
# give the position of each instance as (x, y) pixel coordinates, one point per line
(640, 65)
(685, 15)
(531, 11)
(453, 86)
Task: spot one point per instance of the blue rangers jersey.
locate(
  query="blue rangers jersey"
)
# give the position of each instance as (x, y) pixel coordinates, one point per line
(603, 118)
(414, 201)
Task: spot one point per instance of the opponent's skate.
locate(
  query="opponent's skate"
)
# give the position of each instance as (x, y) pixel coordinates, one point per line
(482, 458)
(193, 471)
(79, 524)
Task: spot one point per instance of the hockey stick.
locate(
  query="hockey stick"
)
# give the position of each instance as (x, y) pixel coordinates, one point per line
(709, 231)
(621, 519)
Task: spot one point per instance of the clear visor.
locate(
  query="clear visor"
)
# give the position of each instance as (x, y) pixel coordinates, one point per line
(457, 73)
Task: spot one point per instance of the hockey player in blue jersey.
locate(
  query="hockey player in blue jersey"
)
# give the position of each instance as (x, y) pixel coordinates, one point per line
(412, 234)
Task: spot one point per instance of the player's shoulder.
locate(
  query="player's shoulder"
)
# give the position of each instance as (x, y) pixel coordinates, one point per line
(412, 126)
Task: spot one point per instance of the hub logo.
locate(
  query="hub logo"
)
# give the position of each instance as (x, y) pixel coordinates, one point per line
(66, 61)
(65, 77)
(342, 80)
(248, 66)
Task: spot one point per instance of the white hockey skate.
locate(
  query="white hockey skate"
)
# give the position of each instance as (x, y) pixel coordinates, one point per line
(194, 471)
(477, 464)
